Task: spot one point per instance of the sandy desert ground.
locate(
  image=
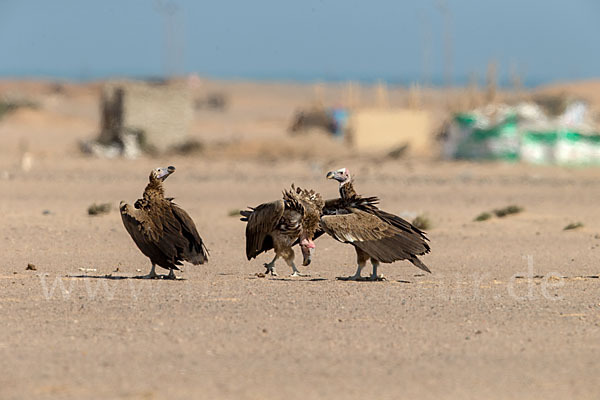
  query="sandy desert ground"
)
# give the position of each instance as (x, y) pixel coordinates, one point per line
(511, 310)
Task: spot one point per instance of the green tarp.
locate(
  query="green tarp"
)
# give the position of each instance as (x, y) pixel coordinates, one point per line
(507, 140)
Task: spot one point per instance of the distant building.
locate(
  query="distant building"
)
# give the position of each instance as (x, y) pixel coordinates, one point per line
(142, 116)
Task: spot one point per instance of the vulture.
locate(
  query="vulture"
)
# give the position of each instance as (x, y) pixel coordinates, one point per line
(163, 231)
(281, 224)
(375, 234)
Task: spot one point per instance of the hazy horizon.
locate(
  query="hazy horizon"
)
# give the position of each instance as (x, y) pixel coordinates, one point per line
(431, 42)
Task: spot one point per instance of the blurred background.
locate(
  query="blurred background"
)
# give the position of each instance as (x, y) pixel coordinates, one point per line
(438, 79)
(478, 121)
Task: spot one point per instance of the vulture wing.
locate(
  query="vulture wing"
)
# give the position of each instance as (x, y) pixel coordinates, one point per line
(339, 206)
(400, 223)
(147, 236)
(332, 207)
(374, 235)
(262, 220)
(195, 251)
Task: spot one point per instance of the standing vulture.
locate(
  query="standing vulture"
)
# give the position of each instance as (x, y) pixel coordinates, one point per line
(164, 232)
(281, 224)
(374, 233)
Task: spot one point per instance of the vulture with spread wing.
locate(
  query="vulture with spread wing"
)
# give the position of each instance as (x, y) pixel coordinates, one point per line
(281, 224)
(163, 231)
(374, 233)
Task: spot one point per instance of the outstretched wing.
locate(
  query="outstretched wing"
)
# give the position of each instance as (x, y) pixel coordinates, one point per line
(195, 251)
(375, 236)
(262, 220)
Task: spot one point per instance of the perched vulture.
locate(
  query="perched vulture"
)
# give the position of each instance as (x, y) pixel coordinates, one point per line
(374, 233)
(164, 232)
(281, 224)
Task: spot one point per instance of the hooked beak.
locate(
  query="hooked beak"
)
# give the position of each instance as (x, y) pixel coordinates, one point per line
(308, 249)
(331, 175)
(163, 173)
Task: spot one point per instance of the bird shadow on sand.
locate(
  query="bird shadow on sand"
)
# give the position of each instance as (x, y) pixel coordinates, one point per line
(298, 279)
(287, 279)
(367, 279)
(362, 279)
(120, 277)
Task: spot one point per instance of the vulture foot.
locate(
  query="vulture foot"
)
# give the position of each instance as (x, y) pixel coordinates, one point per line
(270, 269)
(377, 278)
(152, 274)
(171, 275)
(297, 273)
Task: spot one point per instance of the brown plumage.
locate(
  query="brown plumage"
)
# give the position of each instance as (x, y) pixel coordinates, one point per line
(163, 231)
(281, 224)
(374, 233)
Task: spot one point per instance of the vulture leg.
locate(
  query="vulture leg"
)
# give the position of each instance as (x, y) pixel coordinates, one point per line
(271, 266)
(171, 274)
(374, 276)
(294, 269)
(289, 259)
(152, 274)
(361, 260)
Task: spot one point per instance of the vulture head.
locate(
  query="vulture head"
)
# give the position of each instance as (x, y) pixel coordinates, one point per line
(313, 208)
(160, 174)
(308, 248)
(311, 205)
(341, 175)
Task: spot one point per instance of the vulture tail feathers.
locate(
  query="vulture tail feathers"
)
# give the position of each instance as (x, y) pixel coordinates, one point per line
(419, 264)
(200, 255)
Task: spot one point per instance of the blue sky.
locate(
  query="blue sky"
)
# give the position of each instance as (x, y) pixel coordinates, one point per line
(397, 41)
